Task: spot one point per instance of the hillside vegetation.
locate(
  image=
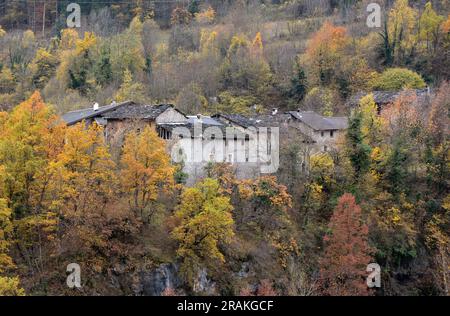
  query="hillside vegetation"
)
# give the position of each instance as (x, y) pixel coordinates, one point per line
(383, 197)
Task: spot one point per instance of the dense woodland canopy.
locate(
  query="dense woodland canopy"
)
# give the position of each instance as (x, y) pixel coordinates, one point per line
(383, 197)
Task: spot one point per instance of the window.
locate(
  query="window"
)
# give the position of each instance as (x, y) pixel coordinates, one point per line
(325, 148)
(331, 133)
(213, 136)
(322, 134)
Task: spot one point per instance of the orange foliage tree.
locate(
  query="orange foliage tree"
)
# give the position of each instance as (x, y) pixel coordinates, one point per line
(324, 51)
(146, 170)
(347, 253)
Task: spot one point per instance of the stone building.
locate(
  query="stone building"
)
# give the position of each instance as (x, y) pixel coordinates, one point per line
(384, 98)
(250, 143)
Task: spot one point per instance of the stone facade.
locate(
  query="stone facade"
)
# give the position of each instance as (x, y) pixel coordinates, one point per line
(251, 144)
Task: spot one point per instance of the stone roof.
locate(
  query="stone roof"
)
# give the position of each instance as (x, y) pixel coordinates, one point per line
(204, 119)
(188, 130)
(137, 111)
(386, 97)
(237, 119)
(77, 116)
(119, 111)
(319, 122)
(269, 120)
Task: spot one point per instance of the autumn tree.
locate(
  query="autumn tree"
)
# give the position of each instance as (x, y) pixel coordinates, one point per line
(324, 52)
(84, 171)
(146, 170)
(347, 253)
(43, 67)
(371, 122)
(399, 36)
(245, 70)
(264, 212)
(9, 286)
(180, 16)
(204, 224)
(130, 90)
(429, 27)
(269, 202)
(438, 240)
(31, 139)
(437, 149)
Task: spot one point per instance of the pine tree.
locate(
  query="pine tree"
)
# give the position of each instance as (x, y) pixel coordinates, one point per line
(357, 151)
(299, 84)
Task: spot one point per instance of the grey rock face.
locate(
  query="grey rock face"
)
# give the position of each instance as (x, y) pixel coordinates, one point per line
(156, 281)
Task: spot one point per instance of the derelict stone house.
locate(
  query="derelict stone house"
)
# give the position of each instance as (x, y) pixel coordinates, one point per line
(384, 98)
(251, 144)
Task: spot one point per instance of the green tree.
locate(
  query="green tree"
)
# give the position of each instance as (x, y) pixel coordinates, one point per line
(299, 84)
(393, 79)
(103, 68)
(356, 149)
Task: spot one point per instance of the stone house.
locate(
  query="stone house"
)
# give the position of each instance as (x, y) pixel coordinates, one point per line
(251, 144)
(323, 132)
(383, 98)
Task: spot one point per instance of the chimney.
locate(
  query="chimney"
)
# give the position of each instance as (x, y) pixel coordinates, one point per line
(96, 106)
(274, 111)
(199, 118)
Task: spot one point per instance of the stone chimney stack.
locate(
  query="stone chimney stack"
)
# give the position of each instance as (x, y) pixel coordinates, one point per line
(96, 106)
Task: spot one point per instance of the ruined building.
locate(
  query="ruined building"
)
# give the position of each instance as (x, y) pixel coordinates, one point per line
(251, 144)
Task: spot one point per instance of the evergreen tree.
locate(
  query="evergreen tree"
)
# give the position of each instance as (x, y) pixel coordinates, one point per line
(357, 151)
(299, 84)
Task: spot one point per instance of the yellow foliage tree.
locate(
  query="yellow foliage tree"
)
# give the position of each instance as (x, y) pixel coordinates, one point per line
(204, 223)
(257, 45)
(129, 90)
(83, 171)
(402, 22)
(69, 38)
(371, 122)
(430, 23)
(146, 169)
(206, 16)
